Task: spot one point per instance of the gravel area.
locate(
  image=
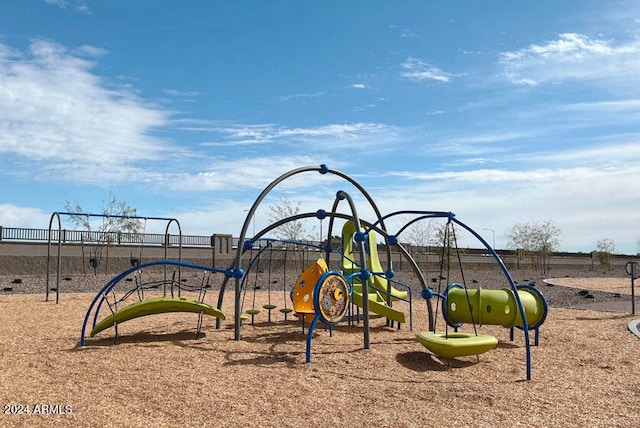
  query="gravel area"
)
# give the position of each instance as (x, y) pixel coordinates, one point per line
(556, 294)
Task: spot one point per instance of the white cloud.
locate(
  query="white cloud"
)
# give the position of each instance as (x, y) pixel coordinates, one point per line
(93, 51)
(416, 70)
(359, 86)
(14, 216)
(55, 113)
(586, 203)
(242, 174)
(178, 93)
(573, 57)
(604, 155)
(62, 4)
(327, 137)
(285, 98)
(79, 5)
(408, 33)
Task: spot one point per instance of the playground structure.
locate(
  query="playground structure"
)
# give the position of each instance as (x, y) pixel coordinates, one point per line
(95, 261)
(359, 281)
(156, 295)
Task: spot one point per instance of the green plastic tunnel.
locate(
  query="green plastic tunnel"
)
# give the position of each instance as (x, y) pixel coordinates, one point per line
(494, 307)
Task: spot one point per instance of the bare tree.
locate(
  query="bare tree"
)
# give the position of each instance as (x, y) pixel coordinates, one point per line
(536, 240)
(421, 235)
(448, 240)
(293, 230)
(604, 250)
(118, 217)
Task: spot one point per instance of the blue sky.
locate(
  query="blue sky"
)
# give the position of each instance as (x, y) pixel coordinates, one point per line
(502, 112)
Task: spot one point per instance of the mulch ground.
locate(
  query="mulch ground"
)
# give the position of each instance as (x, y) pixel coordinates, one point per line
(585, 371)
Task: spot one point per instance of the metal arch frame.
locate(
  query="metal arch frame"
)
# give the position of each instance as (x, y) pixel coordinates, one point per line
(505, 271)
(57, 215)
(259, 236)
(322, 169)
(101, 295)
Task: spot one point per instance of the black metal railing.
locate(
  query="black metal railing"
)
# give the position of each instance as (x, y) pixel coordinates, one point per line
(92, 237)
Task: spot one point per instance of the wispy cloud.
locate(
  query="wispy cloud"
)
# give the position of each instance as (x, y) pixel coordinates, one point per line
(359, 86)
(242, 174)
(285, 98)
(78, 5)
(572, 57)
(91, 51)
(54, 111)
(416, 70)
(181, 94)
(331, 136)
(408, 33)
(603, 156)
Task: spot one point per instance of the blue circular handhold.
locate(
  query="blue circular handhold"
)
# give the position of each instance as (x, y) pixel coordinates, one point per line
(228, 273)
(359, 236)
(238, 273)
(365, 274)
(321, 214)
(340, 195)
(324, 169)
(389, 274)
(248, 244)
(392, 239)
(328, 248)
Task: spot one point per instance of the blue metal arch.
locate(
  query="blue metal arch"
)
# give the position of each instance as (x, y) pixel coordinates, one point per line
(101, 296)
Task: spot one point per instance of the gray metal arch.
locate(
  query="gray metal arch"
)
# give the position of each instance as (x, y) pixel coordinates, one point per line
(322, 169)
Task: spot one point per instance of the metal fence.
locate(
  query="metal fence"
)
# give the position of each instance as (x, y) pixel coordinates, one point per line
(118, 238)
(89, 237)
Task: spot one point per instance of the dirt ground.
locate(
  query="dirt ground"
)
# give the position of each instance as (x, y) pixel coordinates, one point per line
(585, 371)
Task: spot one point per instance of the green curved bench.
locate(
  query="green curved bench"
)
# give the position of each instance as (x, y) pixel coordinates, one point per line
(156, 305)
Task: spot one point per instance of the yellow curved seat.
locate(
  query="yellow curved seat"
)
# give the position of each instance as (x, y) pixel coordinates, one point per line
(451, 345)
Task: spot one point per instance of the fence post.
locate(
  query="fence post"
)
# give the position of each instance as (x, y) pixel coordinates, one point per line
(0, 233)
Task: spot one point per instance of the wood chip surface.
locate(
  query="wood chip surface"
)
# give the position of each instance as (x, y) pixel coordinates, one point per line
(585, 372)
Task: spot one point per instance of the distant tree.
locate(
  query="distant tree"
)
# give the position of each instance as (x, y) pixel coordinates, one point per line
(117, 219)
(604, 252)
(536, 240)
(447, 240)
(421, 235)
(293, 230)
